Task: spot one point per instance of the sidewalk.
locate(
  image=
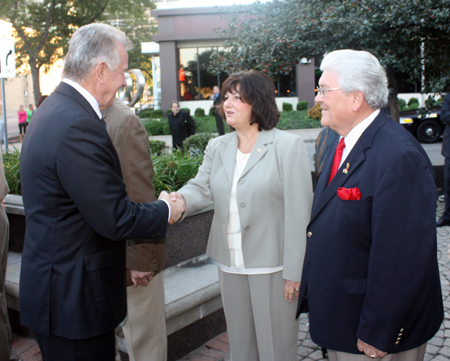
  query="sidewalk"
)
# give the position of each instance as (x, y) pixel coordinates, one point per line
(217, 349)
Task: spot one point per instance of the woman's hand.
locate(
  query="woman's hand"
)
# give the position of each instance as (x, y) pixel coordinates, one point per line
(291, 288)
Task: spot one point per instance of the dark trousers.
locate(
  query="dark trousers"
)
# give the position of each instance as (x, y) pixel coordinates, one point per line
(98, 348)
(446, 214)
(219, 123)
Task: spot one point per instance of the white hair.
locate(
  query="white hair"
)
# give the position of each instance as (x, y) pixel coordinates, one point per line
(90, 45)
(359, 71)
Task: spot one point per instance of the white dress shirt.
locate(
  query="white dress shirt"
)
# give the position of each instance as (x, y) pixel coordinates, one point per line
(355, 134)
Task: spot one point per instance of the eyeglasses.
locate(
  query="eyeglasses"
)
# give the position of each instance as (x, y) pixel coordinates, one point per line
(322, 91)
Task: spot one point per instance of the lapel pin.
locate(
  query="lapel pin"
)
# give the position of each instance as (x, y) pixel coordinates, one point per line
(345, 171)
(259, 150)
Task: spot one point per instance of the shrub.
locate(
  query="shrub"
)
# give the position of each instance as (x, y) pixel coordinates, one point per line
(168, 111)
(297, 120)
(186, 110)
(315, 112)
(146, 114)
(401, 104)
(199, 112)
(11, 166)
(439, 101)
(303, 105)
(173, 171)
(158, 113)
(413, 106)
(196, 144)
(154, 127)
(287, 107)
(207, 125)
(211, 112)
(412, 101)
(157, 147)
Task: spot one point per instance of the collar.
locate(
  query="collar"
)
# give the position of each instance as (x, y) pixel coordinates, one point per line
(355, 134)
(88, 96)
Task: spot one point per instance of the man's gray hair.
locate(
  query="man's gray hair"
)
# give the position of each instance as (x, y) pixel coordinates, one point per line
(90, 45)
(359, 71)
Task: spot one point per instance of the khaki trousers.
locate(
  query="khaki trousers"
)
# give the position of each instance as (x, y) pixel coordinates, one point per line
(145, 326)
(416, 354)
(261, 325)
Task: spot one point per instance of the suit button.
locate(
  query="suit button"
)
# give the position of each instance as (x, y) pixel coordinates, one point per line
(401, 330)
(309, 234)
(242, 204)
(247, 228)
(242, 181)
(397, 342)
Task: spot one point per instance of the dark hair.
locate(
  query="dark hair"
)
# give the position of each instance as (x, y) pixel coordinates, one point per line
(258, 90)
(175, 102)
(40, 100)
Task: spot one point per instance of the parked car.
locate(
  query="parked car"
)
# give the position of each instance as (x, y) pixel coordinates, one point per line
(427, 129)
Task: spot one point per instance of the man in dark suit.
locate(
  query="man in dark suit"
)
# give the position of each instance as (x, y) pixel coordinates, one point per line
(181, 125)
(370, 276)
(217, 102)
(78, 214)
(145, 328)
(445, 118)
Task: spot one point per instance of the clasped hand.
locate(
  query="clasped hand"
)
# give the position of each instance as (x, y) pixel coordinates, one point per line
(176, 203)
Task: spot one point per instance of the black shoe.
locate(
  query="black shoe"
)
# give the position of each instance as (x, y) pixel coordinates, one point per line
(443, 222)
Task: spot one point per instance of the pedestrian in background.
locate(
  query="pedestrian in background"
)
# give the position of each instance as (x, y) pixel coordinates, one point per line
(22, 115)
(217, 101)
(445, 118)
(30, 112)
(181, 125)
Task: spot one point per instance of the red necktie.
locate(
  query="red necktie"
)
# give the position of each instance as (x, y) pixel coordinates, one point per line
(337, 159)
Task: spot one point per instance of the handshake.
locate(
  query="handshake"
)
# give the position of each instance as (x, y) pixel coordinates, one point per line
(176, 203)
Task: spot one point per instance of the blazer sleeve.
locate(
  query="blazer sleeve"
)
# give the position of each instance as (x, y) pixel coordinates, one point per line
(403, 249)
(131, 141)
(445, 110)
(297, 208)
(87, 167)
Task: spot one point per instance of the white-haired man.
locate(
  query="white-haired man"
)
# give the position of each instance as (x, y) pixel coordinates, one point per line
(78, 214)
(370, 277)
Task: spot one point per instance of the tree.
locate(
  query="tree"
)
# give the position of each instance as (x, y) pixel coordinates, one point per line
(408, 36)
(44, 27)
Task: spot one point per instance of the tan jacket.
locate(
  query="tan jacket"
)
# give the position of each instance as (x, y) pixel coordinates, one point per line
(130, 139)
(274, 196)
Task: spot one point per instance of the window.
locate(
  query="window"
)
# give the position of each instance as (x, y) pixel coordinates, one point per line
(195, 81)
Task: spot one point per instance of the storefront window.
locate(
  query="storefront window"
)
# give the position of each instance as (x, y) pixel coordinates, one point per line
(195, 82)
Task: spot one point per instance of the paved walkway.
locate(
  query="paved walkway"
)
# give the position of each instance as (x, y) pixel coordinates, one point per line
(217, 349)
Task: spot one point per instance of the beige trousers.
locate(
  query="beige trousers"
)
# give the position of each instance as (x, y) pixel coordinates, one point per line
(261, 325)
(145, 325)
(416, 354)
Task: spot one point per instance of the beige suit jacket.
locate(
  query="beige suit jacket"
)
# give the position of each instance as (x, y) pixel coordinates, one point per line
(130, 139)
(274, 195)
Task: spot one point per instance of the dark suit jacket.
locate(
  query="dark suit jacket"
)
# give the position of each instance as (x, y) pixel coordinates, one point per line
(370, 270)
(216, 102)
(181, 126)
(445, 118)
(130, 138)
(78, 216)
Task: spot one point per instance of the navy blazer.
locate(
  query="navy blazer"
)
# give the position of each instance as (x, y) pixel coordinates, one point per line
(370, 269)
(72, 281)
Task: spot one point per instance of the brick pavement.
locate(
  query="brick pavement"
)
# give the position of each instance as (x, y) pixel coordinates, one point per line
(217, 349)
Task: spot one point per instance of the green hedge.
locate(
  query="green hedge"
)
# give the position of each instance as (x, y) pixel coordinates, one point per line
(157, 147)
(297, 120)
(11, 166)
(196, 144)
(199, 112)
(173, 171)
(302, 105)
(287, 107)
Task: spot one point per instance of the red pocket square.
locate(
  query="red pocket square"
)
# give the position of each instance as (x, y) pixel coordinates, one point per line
(349, 194)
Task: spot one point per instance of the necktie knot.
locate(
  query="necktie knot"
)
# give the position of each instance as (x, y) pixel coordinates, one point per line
(337, 159)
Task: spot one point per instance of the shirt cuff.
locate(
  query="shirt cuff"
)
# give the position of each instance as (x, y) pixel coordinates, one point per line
(168, 205)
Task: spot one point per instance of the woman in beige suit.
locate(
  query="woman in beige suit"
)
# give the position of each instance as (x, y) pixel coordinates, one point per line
(260, 182)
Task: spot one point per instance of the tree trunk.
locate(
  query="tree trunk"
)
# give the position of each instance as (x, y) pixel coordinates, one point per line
(393, 99)
(36, 80)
